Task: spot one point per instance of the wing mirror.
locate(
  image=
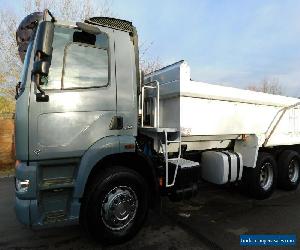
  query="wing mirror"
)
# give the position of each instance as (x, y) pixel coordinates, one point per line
(42, 58)
(44, 38)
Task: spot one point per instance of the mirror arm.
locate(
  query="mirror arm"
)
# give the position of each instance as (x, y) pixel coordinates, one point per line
(41, 96)
(37, 79)
(38, 86)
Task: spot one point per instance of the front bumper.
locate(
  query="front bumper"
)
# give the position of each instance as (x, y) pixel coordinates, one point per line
(34, 207)
(24, 210)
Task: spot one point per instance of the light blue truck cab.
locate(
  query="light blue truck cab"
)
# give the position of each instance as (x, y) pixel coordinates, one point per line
(76, 127)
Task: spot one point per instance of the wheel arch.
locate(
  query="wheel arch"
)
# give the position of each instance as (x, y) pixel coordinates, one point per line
(132, 160)
(112, 150)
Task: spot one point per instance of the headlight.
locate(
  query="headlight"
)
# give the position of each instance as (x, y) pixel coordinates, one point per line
(22, 185)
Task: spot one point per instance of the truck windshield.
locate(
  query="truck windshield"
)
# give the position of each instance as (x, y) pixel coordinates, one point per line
(25, 67)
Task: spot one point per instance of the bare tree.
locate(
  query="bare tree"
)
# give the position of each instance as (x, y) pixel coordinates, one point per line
(71, 10)
(10, 64)
(270, 86)
(147, 64)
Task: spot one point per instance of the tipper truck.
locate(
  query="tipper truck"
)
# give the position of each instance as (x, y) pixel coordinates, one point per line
(99, 143)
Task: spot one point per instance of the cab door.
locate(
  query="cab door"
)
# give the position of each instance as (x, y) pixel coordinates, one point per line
(82, 96)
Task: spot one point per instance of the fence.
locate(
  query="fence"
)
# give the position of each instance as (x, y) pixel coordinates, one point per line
(6, 140)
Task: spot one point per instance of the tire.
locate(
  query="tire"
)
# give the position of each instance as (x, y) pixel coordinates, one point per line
(288, 170)
(261, 180)
(116, 205)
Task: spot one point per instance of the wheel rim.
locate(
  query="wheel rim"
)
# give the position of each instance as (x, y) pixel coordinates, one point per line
(119, 207)
(266, 176)
(293, 171)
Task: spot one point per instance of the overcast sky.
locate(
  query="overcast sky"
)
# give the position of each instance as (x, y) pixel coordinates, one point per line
(234, 43)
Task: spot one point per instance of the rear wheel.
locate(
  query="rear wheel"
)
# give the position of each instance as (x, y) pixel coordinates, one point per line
(116, 205)
(261, 180)
(289, 169)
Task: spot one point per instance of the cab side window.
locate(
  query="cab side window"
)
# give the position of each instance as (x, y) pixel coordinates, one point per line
(79, 60)
(85, 66)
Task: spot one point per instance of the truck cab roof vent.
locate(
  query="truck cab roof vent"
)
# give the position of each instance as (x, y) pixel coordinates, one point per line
(111, 23)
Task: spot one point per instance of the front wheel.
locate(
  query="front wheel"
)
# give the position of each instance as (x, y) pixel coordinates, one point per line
(116, 205)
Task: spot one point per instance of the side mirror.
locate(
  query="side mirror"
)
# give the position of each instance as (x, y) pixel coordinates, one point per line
(42, 59)
(44, 38)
